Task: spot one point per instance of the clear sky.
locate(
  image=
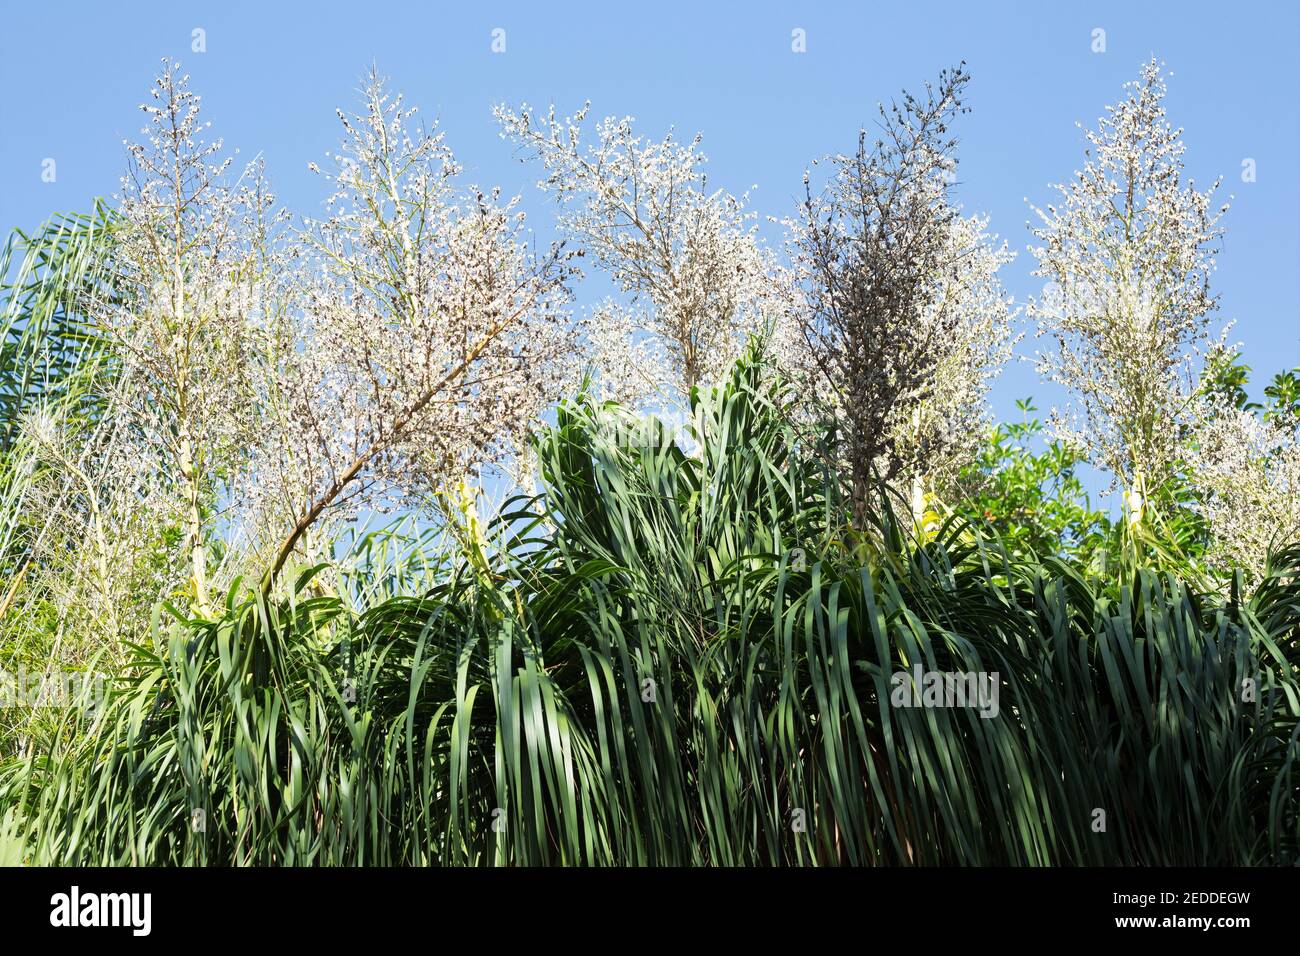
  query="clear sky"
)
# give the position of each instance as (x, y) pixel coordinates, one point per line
(272, 74)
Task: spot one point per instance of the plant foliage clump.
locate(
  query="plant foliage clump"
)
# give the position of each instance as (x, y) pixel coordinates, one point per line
(680, 654)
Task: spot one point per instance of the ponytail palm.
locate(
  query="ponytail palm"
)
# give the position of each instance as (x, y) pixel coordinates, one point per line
(670, 657)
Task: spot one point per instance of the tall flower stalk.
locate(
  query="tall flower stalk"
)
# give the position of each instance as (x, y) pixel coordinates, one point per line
(191, 256)
(902, 316)
(1127, 253)
(688, 253)
(429, 334)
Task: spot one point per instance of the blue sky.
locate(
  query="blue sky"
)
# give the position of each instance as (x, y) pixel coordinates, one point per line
(272, 74)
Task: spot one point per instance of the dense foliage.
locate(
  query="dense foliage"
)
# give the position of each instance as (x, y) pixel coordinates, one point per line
(683, 655)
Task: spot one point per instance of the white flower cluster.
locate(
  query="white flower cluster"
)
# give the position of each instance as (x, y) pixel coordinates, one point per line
(270, 382)
(427, 335)
(645, 212)
(192, 256)
(1127, 255)
(1246, 471)
(970, 333)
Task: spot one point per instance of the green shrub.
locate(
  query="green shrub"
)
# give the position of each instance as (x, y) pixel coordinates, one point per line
(678, 655)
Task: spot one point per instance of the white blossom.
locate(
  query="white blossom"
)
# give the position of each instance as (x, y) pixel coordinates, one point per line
(1128, 254)
(192, 252)
(645, 211)
(1246, 472)
(428, 337)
